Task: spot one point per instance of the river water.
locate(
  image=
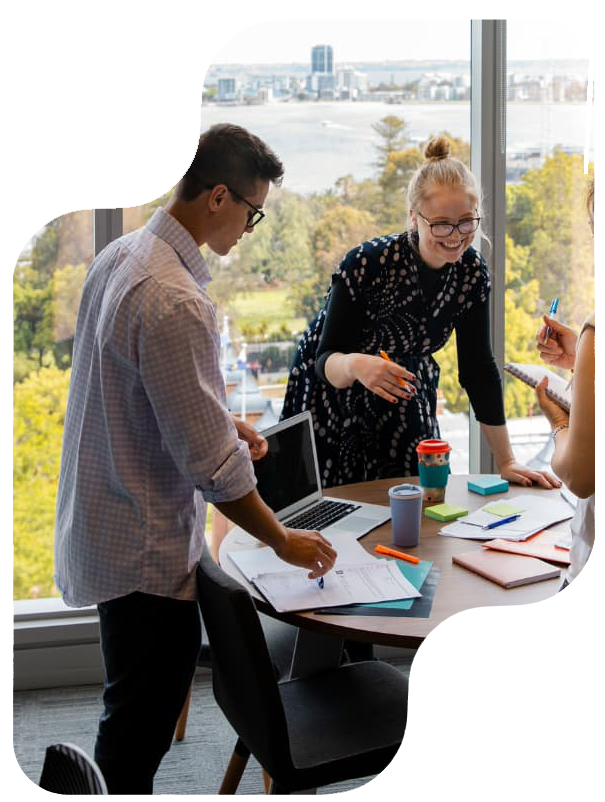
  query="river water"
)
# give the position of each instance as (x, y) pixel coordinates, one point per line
(323, 141)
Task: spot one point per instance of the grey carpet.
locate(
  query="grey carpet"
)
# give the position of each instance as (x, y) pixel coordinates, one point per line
(194, 766)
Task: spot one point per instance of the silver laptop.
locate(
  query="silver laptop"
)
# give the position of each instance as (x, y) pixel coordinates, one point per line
(289, 482)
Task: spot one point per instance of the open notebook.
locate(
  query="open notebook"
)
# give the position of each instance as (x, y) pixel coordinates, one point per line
(533, 375)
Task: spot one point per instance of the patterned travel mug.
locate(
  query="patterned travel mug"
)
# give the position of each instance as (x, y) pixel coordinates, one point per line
(434, 468)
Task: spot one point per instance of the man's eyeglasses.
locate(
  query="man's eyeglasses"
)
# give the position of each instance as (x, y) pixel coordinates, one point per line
(466, 226)
(254, 216)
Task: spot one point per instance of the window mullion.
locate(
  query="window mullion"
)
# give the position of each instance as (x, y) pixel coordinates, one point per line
(107, 226)
(488, 163)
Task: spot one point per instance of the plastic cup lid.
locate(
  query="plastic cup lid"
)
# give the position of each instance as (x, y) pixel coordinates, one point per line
(405, 490)
(433, 447)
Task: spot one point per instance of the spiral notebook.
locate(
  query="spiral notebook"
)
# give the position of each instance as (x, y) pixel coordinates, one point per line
(557, 388)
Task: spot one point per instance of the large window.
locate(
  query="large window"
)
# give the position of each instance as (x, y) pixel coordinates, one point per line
(549, 250)
(47, 284)
(348, 114)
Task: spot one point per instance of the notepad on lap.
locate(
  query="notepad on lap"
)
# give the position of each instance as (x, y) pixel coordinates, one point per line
(533, 375)
(508, 570)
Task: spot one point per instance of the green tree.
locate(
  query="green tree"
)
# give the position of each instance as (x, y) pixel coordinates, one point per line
(393, 137)
(338, 230)
(521, 314)
(39, 411)
(279, 250)
(547, 214)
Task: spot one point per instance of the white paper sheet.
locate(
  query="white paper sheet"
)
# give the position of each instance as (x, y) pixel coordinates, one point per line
(262, 559)
(539, 512)
(375, 581)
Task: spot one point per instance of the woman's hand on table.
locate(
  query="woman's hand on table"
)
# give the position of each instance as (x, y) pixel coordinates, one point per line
(382, 377)
(522, 475)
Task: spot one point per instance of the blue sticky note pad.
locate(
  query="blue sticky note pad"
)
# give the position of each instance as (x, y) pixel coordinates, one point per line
(488, 483)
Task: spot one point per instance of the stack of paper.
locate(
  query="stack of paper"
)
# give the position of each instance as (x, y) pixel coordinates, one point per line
(536, 512)
(357, 577)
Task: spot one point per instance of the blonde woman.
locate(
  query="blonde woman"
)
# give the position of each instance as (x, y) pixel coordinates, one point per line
(574, 434)
(404, 294)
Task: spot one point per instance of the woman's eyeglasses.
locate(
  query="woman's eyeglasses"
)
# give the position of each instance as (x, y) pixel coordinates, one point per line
(466, 226)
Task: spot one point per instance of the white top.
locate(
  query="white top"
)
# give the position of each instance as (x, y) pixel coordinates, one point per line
(582, 532)
(582, 525)
(146, 423)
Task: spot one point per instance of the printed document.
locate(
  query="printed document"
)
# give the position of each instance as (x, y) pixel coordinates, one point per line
(357, 577)
(376, 581)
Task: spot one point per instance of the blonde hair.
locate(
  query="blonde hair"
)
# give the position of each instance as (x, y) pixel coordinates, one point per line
(440, 169)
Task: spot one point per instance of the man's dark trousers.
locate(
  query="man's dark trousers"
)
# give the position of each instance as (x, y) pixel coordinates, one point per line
(150, 646)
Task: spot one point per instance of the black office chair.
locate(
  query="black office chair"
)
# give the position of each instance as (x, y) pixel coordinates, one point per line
(67, 769)
(340, 724)
(280, 638)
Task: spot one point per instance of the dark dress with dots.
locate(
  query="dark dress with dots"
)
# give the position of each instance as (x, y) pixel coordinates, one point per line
(383, 297)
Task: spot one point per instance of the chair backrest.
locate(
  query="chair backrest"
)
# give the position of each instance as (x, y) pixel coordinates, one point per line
(67, 769)
(244, 681)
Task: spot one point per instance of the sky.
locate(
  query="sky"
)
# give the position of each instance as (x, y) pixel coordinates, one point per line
(396, 39)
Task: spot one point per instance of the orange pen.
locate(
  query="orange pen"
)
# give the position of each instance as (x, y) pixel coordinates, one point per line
(384, 355)
(394, 553)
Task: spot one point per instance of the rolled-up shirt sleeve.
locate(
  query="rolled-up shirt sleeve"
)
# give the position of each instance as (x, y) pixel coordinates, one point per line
(179, 364)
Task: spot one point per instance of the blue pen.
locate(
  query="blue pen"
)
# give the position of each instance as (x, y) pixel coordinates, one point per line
(554, 307)
(320, 582)
(507, 520)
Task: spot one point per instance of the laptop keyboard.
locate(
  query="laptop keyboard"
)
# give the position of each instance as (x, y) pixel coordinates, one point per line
(322, 515)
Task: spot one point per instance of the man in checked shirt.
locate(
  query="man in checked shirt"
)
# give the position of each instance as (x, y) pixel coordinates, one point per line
(148, 441)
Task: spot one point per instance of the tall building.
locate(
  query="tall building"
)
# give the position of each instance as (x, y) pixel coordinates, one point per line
(322, 59)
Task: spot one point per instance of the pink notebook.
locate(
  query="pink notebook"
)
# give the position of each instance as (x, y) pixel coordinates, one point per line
(508, 570)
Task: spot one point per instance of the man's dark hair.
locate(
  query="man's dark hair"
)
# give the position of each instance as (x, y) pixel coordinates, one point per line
(228, 154)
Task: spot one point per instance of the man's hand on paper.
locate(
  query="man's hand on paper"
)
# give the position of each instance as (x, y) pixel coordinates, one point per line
(308, 549)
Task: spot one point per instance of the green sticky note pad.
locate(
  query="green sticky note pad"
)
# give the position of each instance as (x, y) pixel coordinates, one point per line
(503, 508)
(445, 512)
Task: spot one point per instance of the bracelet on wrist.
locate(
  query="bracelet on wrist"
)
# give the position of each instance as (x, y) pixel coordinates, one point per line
(558, 429)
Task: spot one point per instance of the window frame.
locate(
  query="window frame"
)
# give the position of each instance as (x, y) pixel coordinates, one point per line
(58, 645)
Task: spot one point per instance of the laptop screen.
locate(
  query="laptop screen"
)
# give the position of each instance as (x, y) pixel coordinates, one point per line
(286, 474)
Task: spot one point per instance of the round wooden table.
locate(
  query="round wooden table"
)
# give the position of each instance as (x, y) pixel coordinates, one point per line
(458, 588)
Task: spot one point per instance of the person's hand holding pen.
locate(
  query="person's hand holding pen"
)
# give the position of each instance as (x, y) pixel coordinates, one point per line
(556, 343)
(384, 377)
(308, 549)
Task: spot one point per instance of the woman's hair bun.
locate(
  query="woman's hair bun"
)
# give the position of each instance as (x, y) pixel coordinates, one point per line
(437, 148)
